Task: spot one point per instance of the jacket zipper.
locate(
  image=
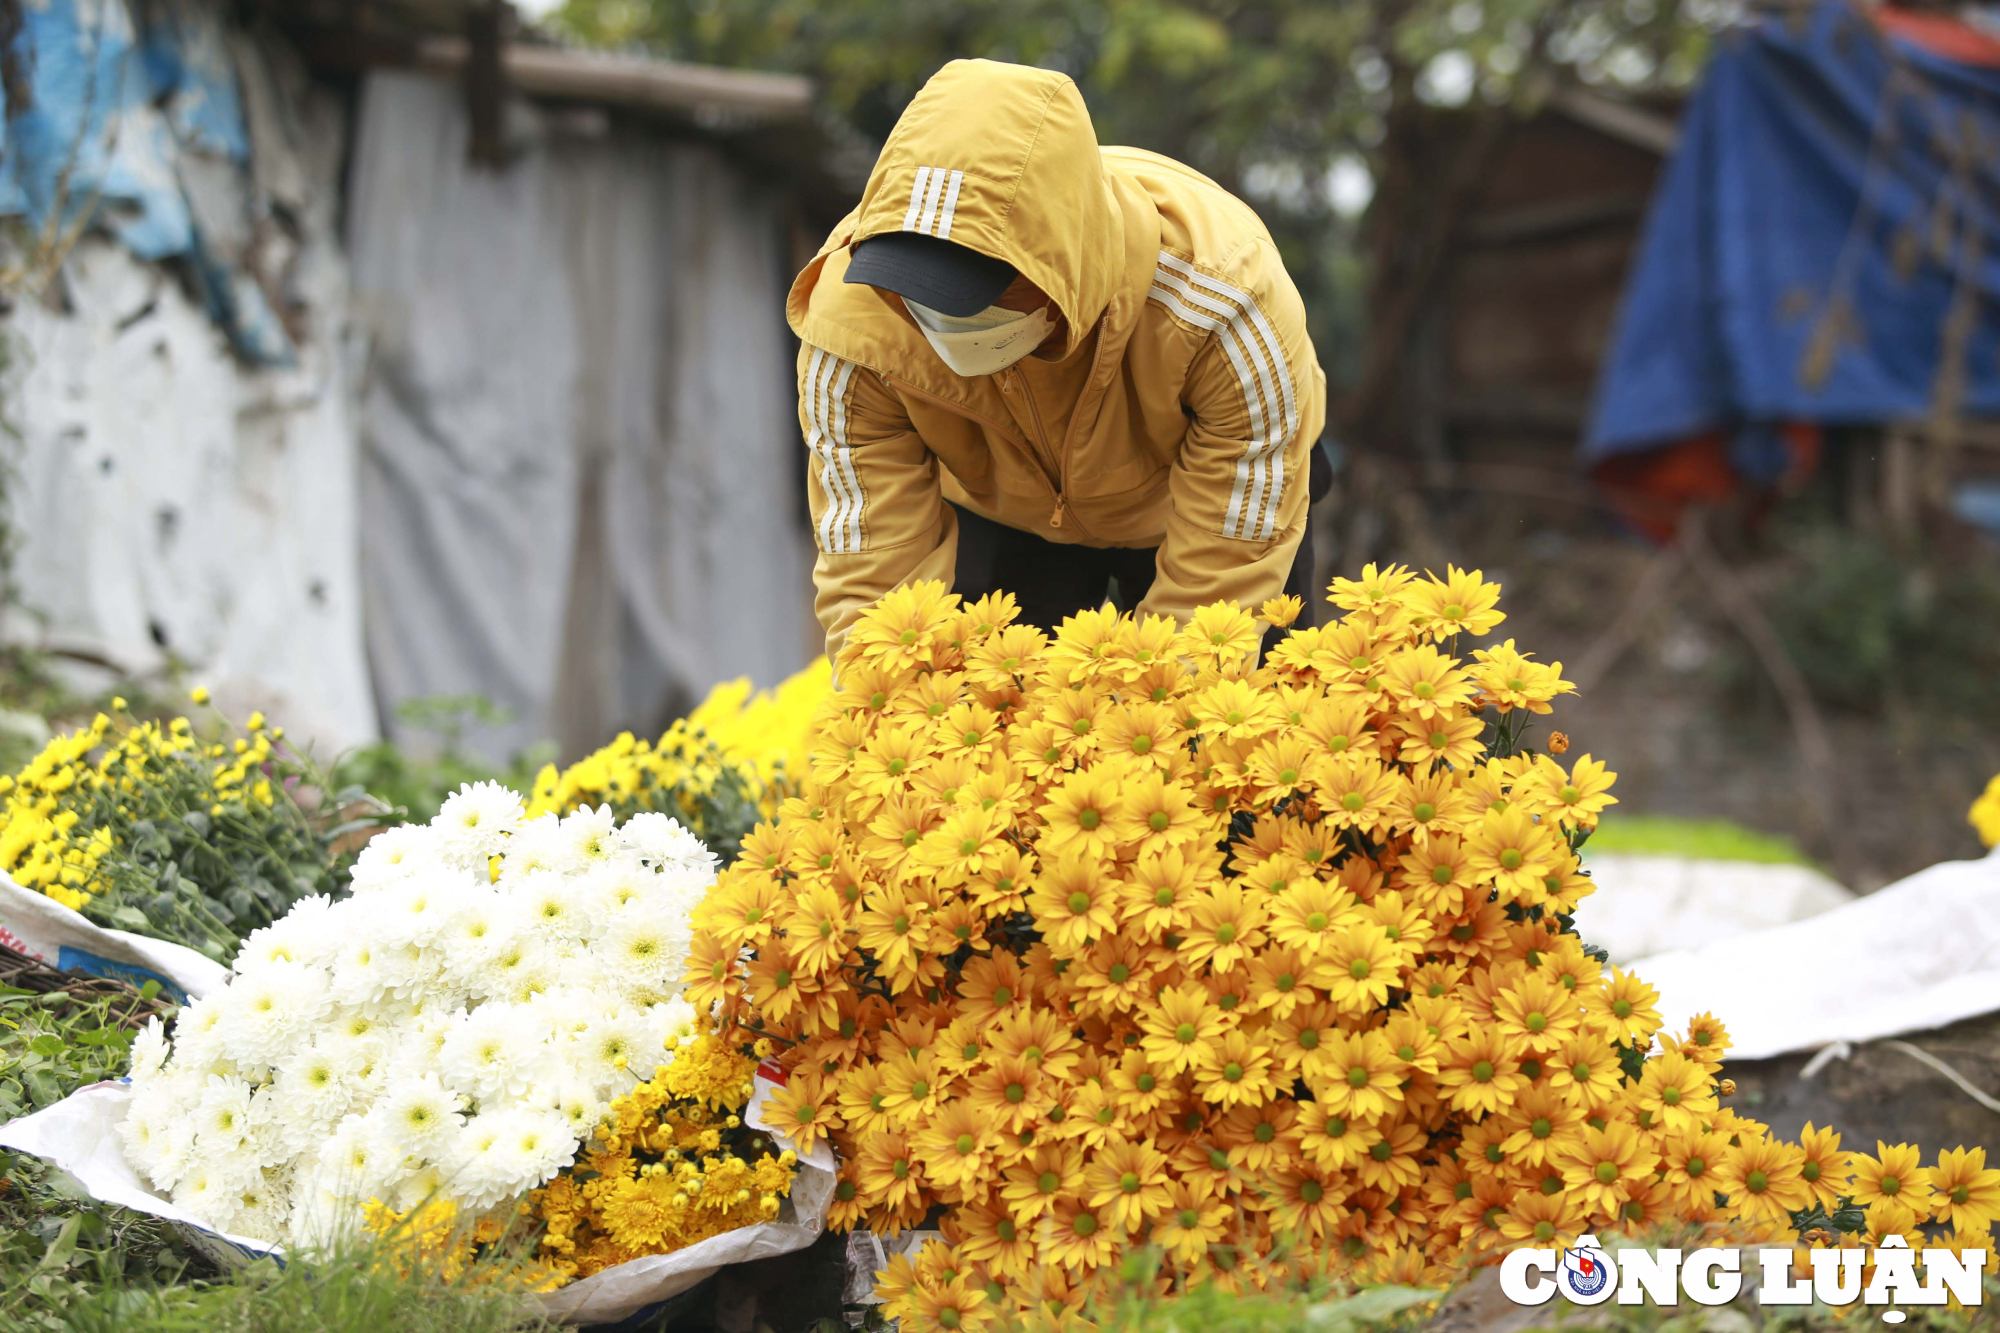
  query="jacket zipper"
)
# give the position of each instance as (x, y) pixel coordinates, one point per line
(1053, 482)
(1051, 465)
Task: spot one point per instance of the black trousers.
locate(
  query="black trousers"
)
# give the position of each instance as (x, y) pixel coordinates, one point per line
(1053, 582)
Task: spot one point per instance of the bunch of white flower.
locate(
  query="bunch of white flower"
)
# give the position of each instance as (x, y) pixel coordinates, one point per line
(452, 1030)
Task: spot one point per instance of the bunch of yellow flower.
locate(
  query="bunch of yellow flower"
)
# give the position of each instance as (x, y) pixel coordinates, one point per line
(718, 770)
(1985, 814)
(1121, 938)
(431, 1242)
(673, 1164)
(147, 826)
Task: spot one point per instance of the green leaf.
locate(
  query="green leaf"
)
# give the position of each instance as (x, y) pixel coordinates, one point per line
(130, 918)
(149, 990)
(48, 1044)
(42, 1089)
(57, 1255)
(1365, 1308)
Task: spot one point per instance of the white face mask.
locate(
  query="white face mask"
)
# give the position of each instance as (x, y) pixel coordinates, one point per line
(985, 343)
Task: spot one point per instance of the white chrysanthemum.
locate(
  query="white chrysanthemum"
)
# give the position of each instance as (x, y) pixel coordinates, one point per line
(661, 842)
(222, 1116)
(481, 924)
(309, 934)
(579, 1105)
(473, 824)
(438, 1034)
(273, 1011)
(646, 949)
(416, 910)
(204, 1191)
(537, 844)
(499, 1154)
(149, 1052)
(620, 1046)
(520, 964)
(563, 1011)
(368, 969)
(394, 854)
(615, 887)
(314, 1089)
(259, 1206)
(590, 835)
(418, 1116)
(491, 1056)
(198, 1033)
(551, 907)
(677, 1019)
(355, 1164)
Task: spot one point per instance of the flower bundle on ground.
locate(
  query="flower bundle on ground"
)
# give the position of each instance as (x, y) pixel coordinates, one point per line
(719, 770)
(450, 1032)
(148, 827)
(674, 1164)
(1121, 938)
(1985, 814)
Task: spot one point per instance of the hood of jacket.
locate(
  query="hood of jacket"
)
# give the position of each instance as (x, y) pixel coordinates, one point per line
(996, 157)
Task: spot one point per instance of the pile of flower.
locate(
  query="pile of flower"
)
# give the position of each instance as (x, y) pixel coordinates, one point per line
(719, 770)
(148, 827)
(674, 1164)
(1123, 939)
(1985, 814)
(450, 1032)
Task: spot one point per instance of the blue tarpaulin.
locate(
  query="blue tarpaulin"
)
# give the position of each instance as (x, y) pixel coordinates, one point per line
(113, 110)
(1832, 191)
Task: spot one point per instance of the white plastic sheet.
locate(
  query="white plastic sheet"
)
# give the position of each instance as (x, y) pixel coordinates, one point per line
(42, 928)
(1650, 904)
(80, 1135)
(1919, 954)
(174, 504)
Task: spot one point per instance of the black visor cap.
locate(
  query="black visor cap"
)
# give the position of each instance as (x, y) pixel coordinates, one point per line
(943, 275)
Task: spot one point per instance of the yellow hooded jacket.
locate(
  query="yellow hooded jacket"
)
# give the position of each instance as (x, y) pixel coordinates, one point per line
(1182, 411)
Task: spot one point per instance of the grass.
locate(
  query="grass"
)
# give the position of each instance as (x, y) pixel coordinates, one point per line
(1700, 839)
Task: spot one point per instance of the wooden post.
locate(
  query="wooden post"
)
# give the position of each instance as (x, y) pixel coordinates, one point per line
(486, 84)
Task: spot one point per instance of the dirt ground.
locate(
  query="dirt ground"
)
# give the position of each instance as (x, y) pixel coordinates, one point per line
(1883, 1093)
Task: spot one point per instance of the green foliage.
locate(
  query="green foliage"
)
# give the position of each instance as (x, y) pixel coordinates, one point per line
(1262, 95)
(1701, 839)
(62, 1254)
(1872, 632)
(415, 783)
(51, 1045)
(346, 1295)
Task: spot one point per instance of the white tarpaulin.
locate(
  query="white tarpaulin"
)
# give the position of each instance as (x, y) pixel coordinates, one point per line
(1919, 954)
(1650, 904)
(175, 504)
(580, 451)
(42, 928)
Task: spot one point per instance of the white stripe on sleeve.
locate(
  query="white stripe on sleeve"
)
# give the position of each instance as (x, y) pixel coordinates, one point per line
(916, 198)
(950, 206)
(931, 193)
(1261, 370)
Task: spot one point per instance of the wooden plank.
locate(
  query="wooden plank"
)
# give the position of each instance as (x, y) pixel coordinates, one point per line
(633, 81)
